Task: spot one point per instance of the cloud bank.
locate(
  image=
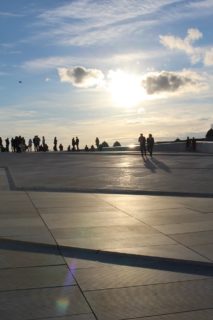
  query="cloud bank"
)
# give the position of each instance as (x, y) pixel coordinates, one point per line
(81, 77)
(196, 54)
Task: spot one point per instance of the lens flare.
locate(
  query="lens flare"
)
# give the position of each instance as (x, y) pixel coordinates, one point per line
(62, 304)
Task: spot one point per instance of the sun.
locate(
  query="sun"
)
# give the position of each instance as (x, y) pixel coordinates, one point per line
(125, 88)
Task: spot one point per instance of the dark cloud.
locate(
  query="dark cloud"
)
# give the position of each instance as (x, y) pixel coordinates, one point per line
(166, 82)
(81, 77)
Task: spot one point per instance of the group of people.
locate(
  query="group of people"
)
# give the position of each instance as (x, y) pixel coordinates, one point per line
(191, 144)
(19, 144)
(146, 144)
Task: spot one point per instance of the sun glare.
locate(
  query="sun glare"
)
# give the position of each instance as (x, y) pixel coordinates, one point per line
(125, 88)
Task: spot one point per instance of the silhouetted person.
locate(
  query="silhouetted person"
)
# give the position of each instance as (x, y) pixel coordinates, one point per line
(150, 144)
(12, 145)
(30, 143)
(36, 142)
(73, 144)
(55, 142)
(61, 148)
(142, 141)
(188, 144)
(7, 144)
(43, 141)
(69, 148)
(92, 148)
(97, 142)
(22, 144)
(77, 143)
(45, 147)
(86, 148)
(194, 144)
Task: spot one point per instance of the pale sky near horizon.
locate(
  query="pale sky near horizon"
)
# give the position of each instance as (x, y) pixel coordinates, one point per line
(106, 68)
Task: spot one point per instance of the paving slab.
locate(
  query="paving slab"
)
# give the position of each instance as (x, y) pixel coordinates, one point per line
(41, 303)
(91, 220)
(159, 299)
(11, 231)
(16, 258)
(186, 227)
(4, 185)
(194, 315)
(205, 250)
(87, 316)
(35, 277)
(170, 251)
(112, 276)
(194, 238)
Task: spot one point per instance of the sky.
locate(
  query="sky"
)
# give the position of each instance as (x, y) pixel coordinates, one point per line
(106, 68)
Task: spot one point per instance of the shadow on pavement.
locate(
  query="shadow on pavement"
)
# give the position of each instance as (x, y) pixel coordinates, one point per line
(161, 165)
(148, 164)
(124, 259)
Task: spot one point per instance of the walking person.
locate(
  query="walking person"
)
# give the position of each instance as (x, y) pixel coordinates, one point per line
(150, 144)
(142, 141)
(77, 143)
(73, 144)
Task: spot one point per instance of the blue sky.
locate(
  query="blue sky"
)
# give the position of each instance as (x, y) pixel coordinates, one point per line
(108, 68)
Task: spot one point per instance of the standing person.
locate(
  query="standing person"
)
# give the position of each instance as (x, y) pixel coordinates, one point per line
(55, 142)
(188, 144)
(7, 144)
(36, 142)
(77, 143)
(97, 142)
(150, 144)
(194, 144)
(12, 145)
(30, 143)
(142, 141)
(43, 141)
(73, 144)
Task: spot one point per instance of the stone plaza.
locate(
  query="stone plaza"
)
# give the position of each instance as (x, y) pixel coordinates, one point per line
(88, 236)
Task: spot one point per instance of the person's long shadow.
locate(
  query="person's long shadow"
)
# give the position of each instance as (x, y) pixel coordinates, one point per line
(148, 164)
(161, 165)
(124, 259)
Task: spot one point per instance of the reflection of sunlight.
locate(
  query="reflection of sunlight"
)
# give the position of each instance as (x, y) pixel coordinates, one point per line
(131, 146)
(125, 88)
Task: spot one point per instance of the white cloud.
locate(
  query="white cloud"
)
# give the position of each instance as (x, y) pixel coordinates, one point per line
(208, 57)
(193, 34)
(81, 77)
(203, 4)
(89, 22)
(185, 45)
(10, 14)
(46, 63)
(196, 54)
